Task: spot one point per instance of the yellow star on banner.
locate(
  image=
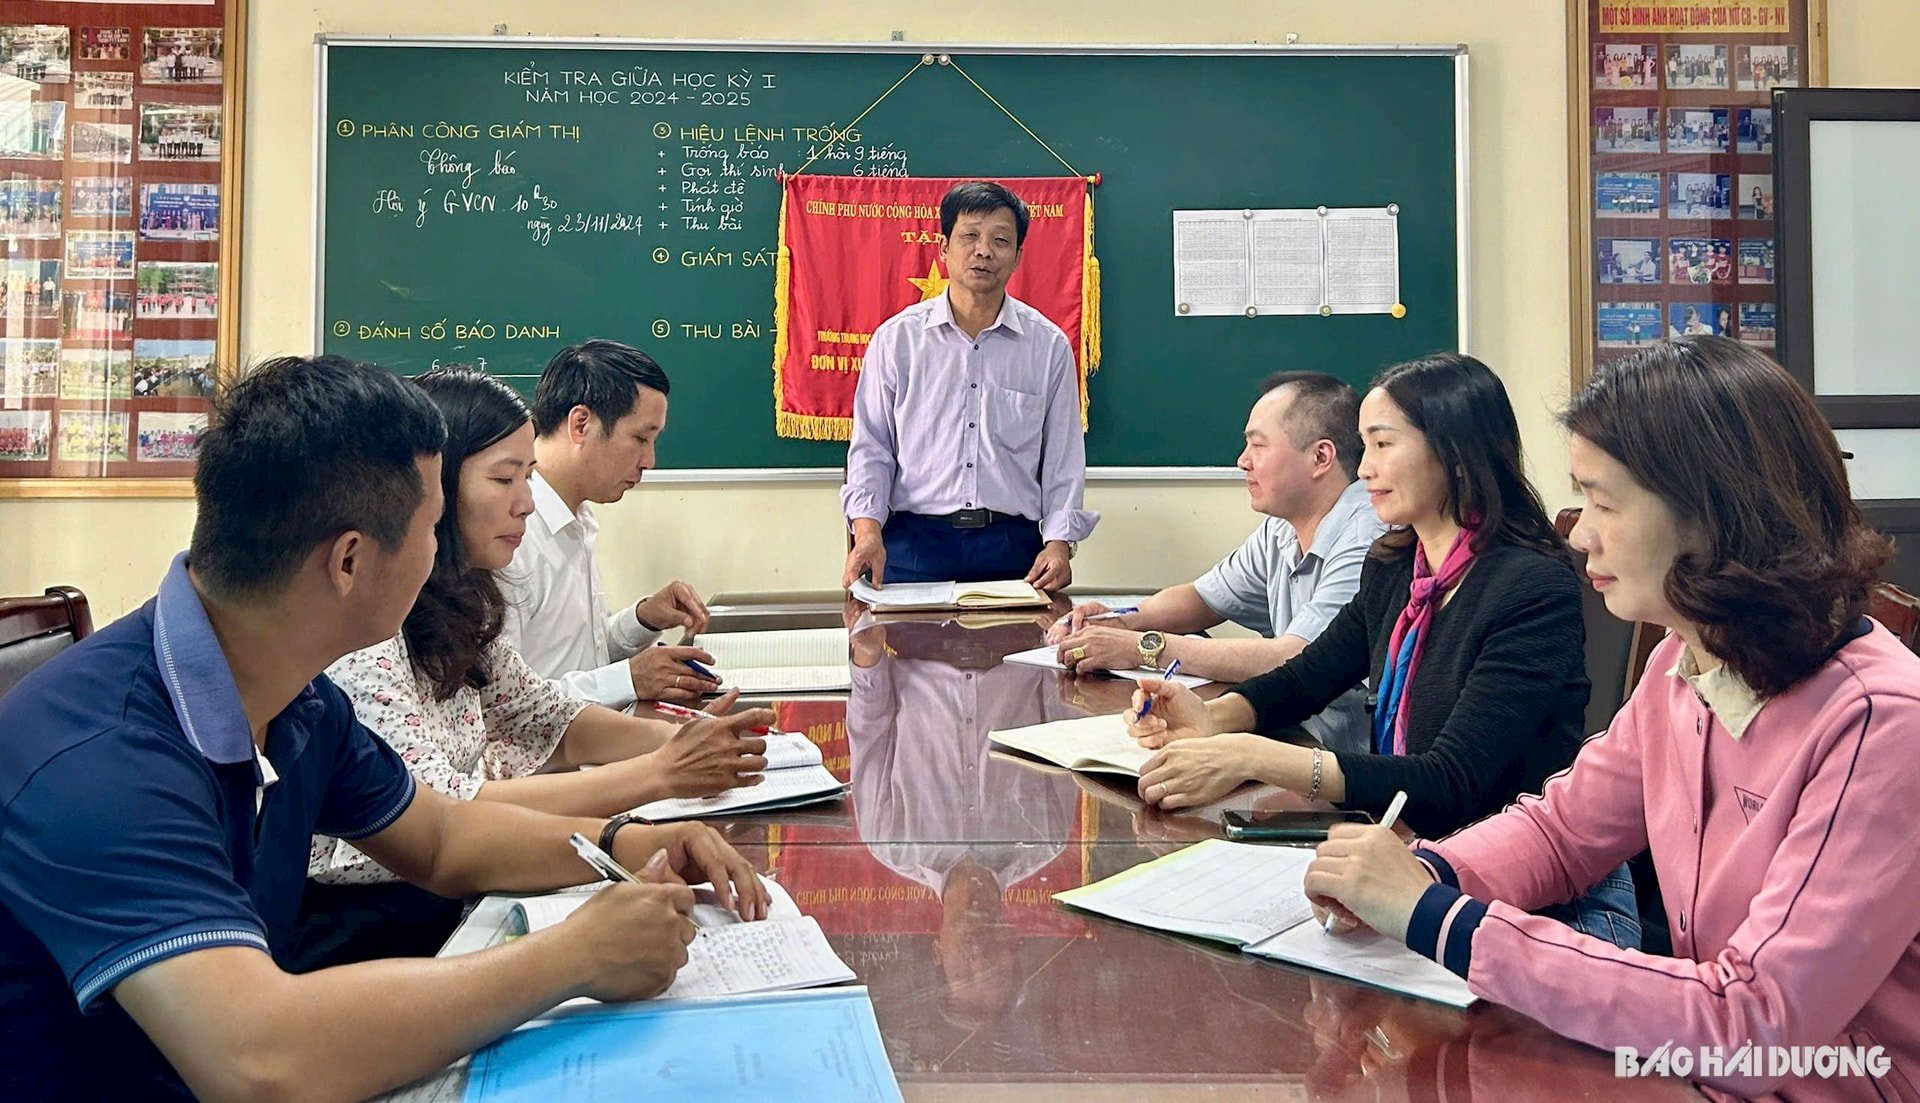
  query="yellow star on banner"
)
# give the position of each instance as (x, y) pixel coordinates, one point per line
(934, 285)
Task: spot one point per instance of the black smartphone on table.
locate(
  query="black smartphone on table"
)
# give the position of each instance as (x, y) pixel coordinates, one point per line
(1292, 826)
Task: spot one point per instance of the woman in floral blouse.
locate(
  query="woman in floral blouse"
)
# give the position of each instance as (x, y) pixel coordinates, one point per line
(468, 715)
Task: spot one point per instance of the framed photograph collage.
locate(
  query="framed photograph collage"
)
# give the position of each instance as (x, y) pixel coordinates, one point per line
(118, 212)
(1673, 153)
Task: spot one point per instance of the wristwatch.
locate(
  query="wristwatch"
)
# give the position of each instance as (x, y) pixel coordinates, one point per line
(1151, 644)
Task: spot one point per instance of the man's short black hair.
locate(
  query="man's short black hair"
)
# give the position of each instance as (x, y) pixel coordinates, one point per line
(598, 374)
(1323, 408)
(301, 449)
(983, 197)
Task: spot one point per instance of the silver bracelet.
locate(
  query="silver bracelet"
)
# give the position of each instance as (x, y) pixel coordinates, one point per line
(1313, 791)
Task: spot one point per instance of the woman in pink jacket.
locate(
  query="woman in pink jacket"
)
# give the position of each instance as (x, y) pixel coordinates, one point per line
(1770, 759)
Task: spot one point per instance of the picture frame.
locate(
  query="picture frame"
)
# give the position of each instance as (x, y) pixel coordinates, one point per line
(1671, 135)
(120, 203)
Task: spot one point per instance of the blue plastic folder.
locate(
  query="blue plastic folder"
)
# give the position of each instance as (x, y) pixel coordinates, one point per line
(821, 1045)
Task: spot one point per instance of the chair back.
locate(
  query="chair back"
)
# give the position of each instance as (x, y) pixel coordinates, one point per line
(1612, 643)
(35, 629)
(1898, 610)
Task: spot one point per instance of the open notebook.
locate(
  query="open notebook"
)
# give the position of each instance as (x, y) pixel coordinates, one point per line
(1097, 744)
(801, 660)
(727, 957)
(795, 776)
(906, 597)
(1048, 655)
(1252, 897)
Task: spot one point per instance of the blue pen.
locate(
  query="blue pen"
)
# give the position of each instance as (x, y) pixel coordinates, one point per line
(1112, 613)
(701, 670)
(1148, 704)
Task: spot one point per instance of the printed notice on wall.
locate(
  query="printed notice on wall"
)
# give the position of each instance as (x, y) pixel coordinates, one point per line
(1343, 260)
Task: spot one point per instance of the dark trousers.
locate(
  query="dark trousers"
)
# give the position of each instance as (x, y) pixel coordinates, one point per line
(925, 549)
(344, 924)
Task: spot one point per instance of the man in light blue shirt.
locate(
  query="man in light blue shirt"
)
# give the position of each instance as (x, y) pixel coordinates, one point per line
(1289, 578)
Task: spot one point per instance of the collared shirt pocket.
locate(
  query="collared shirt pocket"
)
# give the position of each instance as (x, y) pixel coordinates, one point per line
(1015, 420)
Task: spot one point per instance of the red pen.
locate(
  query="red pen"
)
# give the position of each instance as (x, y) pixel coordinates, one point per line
(686, 713)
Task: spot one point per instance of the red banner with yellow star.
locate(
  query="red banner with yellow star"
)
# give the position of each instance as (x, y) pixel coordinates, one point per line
(856, 250)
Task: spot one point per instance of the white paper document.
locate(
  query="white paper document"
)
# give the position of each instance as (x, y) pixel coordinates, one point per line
(1363, 261)
(1365, 956)
(1210, 264)
(1288, 262)
(728, 956)
(790, 751)
(772, 955)
(1091, 744)
(1338, 260)
(1010, 593)
(1230, 893)
(806, 660)
(1253, 896)
(1049, 657)
(537, 913)
(778, 788)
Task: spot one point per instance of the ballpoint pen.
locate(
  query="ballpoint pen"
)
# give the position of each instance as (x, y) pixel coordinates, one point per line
(600, 860)
(685, 713)
(1393, 814)
(1148, 703)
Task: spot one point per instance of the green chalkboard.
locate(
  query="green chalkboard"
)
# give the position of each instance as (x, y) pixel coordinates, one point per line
(484, 201)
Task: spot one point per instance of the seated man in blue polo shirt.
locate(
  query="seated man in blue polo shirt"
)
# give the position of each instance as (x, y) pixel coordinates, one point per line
(160, 781)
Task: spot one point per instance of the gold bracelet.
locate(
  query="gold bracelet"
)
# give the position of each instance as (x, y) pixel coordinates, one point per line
(1313, 791)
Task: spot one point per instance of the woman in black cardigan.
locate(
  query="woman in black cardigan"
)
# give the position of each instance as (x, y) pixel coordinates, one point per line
(1497, 691)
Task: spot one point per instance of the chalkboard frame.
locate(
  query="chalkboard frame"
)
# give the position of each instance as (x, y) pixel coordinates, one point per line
(1106, 474)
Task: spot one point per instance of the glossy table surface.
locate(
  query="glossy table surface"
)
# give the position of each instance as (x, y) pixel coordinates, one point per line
(934, 878)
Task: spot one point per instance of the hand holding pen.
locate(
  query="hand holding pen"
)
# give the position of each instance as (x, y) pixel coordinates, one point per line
(1164, 710)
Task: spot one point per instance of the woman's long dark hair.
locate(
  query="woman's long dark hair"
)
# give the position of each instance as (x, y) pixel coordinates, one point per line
(1783, 559)
(460, 609)
(1462, 408)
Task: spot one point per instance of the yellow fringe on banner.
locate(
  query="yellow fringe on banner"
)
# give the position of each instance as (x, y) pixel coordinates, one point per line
(782, 314)
(1089, 312)
(812, 426)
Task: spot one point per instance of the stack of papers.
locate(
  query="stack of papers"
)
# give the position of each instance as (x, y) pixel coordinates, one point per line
(796, 775)
(1094, 744)
(804, 660)
(1048, 656)
(1253, 897)
(728, 957)
(906, 597)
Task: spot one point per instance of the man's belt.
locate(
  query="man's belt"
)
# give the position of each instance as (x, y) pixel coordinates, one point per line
(973, 518)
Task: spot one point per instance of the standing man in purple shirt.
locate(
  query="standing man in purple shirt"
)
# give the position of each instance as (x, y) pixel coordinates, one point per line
(967, 460)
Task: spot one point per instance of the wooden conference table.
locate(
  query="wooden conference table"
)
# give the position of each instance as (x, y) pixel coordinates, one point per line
(933, 880)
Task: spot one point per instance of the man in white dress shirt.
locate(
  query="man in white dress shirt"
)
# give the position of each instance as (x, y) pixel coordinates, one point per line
(598, 412)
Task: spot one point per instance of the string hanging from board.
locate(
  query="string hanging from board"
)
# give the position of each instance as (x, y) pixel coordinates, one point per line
(948, 61)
